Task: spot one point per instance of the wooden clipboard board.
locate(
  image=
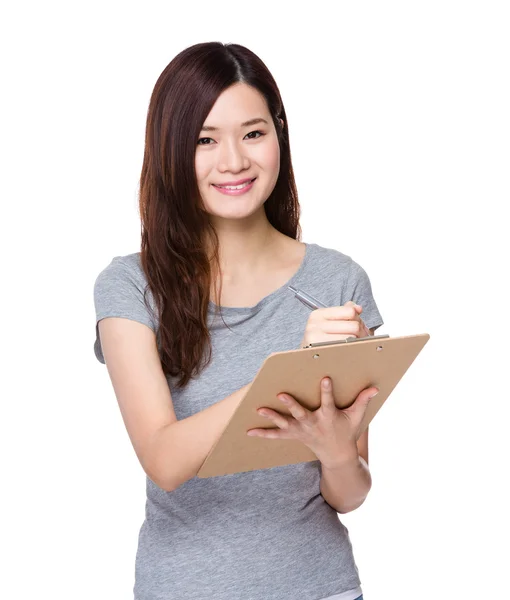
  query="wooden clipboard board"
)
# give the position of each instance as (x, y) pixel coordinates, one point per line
(353, 365)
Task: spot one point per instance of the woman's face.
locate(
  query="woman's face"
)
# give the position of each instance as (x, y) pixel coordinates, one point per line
(235, 151)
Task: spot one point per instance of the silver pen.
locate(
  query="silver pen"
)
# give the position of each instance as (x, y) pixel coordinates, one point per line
(306, 299)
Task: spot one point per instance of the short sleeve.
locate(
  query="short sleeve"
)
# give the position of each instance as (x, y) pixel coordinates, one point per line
(119, 292)
(359, 290)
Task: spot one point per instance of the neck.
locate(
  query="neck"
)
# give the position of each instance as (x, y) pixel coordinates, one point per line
(246, 246)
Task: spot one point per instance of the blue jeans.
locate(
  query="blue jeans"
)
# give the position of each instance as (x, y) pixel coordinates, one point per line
(360, 597)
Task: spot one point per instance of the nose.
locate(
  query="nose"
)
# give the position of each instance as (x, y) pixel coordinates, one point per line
(231, 157)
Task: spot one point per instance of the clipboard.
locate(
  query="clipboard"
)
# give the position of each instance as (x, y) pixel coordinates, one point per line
(353, 364)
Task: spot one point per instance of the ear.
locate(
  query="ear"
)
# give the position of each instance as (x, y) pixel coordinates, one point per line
(281, 121)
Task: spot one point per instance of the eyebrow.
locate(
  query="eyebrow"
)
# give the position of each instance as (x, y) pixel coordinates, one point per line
(245, 124)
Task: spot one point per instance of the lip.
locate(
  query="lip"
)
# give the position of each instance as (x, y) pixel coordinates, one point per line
(240, 192)
(238, 182)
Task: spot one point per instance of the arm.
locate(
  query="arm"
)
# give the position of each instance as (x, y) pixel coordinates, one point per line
(180, 448)
(169, 450)
(346, 487)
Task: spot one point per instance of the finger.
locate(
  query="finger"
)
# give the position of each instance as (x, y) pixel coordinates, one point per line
(348, 312)
(358, 307)
(355, 325)
(299, 412)
(277, 418)
(329, 337)
(347, 327)
(273, 433)
(327, 396)
(365, 329)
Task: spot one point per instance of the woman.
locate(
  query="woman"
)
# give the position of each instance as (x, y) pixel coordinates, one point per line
(184, 325)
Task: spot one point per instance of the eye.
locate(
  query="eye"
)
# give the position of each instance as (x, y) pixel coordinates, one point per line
(205, 141)
(259, 132)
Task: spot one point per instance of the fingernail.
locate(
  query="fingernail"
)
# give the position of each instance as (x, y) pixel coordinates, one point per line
(326, 384)
(374, 394)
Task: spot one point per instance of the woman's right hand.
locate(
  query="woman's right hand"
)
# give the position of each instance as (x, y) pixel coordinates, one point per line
(334, 323)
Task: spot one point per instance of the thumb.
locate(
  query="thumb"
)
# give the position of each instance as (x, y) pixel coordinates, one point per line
(359, 406)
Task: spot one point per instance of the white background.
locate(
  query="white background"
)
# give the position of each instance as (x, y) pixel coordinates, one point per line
(398, 114)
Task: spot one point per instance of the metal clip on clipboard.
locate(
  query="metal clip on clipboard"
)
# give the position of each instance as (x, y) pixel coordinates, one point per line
(347, 340)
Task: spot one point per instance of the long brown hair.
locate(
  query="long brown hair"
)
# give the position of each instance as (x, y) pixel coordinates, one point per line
(174, 224)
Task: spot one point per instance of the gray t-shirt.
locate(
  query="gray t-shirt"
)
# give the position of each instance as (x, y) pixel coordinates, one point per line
(261, 535)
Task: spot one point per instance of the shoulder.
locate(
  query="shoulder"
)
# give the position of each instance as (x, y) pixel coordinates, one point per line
(121, 290)
(124, 262)
(333, 259)
(123, 268)
(123, 281)
(337, 260)
(330, 254)
(336, 274)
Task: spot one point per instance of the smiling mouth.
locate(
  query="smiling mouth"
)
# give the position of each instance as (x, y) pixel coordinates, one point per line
(235, 187)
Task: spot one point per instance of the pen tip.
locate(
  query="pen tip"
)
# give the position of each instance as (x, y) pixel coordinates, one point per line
(292, 289)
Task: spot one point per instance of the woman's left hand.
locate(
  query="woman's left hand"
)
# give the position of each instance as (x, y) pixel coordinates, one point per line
(330, 433)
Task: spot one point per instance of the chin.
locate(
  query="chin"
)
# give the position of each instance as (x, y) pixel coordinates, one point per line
(234, 209)
(233, 215)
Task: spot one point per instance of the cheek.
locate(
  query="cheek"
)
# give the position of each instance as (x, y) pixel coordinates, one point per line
(272, 157)
(201, 166)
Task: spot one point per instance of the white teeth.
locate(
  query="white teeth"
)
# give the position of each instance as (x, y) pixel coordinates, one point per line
(234, 187)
